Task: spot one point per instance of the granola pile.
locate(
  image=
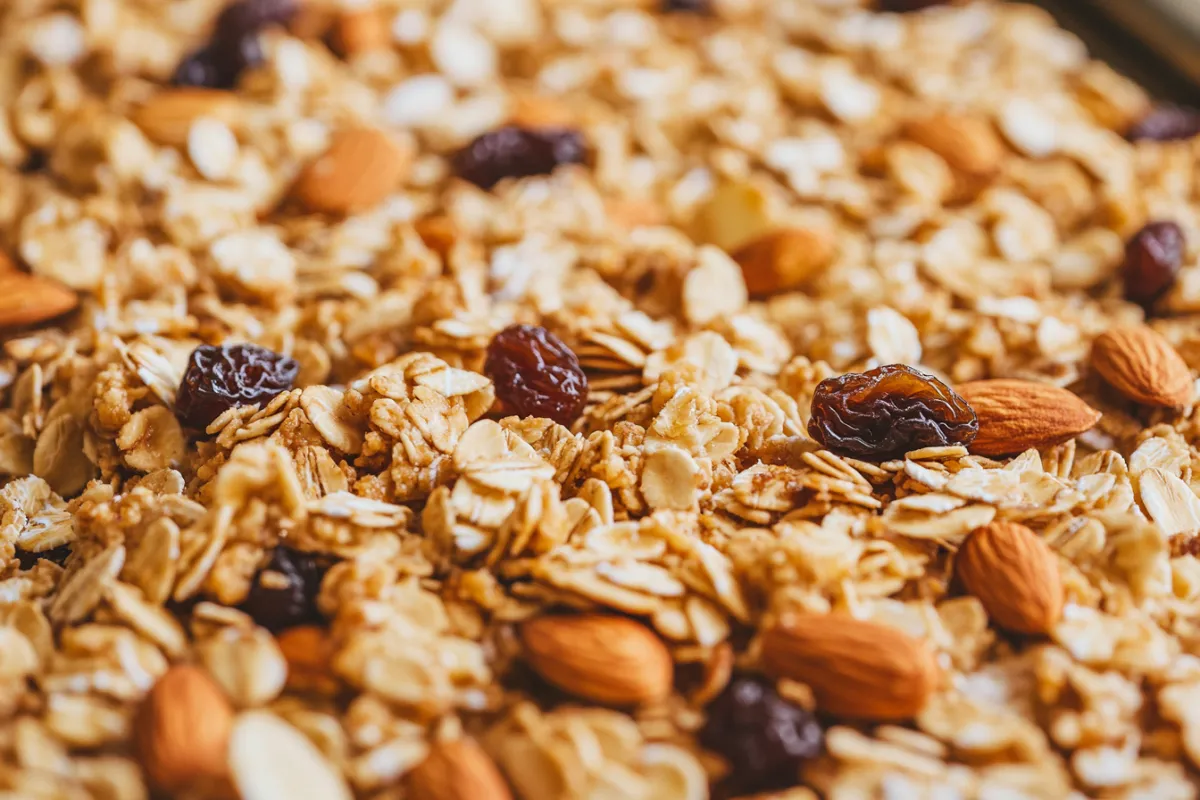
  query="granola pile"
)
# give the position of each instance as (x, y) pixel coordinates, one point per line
(366, 559)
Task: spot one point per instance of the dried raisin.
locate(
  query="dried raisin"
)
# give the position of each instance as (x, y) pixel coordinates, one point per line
(535, 374)
(1166, 123)
(1153, 258)
(885, 412)
(219, 378)
(764, 737)
(687, 6)
(234, 46)
(516, 152)
(285, 593)
(906, 6)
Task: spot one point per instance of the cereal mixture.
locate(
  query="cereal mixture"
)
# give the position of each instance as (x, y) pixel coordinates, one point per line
(452, 400)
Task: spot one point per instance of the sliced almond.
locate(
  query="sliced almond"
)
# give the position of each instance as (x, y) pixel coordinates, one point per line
(271, 760)
(1014, 574)
(29, 299)
(968, 144)
(457, 770)
(361, 30)
(182, 729)
(784, 259)
(856, 669)
(1143, 366)
(361, 167)
(605, 659)
(1015, 415)
(168, 116)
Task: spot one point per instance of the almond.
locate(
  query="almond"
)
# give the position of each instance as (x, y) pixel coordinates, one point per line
(968, 144)
(1014, 574)
(1016, 415)
(308, 651)
(856, 669)
(29, 299)
(361, 30)
(168, 116)
(182, 729)
(784, 259)
(1142, 365)
(605, 659)
(361, 167)
(457, 770)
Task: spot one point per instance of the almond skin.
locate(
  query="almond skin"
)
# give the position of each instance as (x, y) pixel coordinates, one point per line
(1015, 415)
(856, 669)
(968, 144)
(167, 117)
(457, 770)
(181, 732)
(784, 259)
(1143, 366)
(309, 651)
(29, 299)
(361, 30)
(1014, 574)
(361, 167)
(606, 659)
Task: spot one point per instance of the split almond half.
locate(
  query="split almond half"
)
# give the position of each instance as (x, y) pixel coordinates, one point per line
(182, 729)
(968, 144)
(856, 669)
(784, 259)
(1014, 573)
(361, 167)
(1143, 366)
(605, 659)
(29, 299)
(1015, 415)
(167, 117)
(457, 770)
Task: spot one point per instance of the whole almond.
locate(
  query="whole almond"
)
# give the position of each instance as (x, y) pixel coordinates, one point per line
(457, 770)
(168, 116)
(856, 669)
(605, 659)
(968, 144)
(181, 732)
(29, 299)
(361, 167)
(1015, 415)
(361, 30)
(1014, 574)
(784, 259)
(1140, 364)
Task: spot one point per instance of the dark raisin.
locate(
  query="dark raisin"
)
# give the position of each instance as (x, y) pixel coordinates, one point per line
(535, 374)
(764, 737)
(284, 594)
(248, 17)
(58, 555)
(219, 378)
(1152, 261)
(218, 65)
(885, 412)
(516, 152)
(1166, 123)
(687, 6)
(906, 6)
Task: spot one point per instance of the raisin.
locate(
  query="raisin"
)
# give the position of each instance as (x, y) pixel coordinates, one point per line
(907, 6)
(1152, 261)
(284, 594)
(57, 555)
(687, 6)
(764, 737)
(516, 152)
(234, 46)
(885, 412)
(535, 374)
(219, 378)
(248, 17)
(1166, 123)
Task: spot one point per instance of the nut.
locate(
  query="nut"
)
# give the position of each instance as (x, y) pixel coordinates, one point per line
(29, 299)
(857, 669)
(1015, 415)
(182, 729)
(361, 167)
(968, 144)
(360, 30)
(457, 770)
(308, 651)
(1014, 574)
(606, 659)
(784, 259)
(168, 116)
(1140, 364)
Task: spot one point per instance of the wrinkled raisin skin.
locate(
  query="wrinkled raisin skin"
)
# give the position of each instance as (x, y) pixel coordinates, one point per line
(1166, 123)
(1153, 257)
(234, 46)
(219, 378)
(884, 413)
(764, 737)
(279, 605)
(516, 152)
(535, 374)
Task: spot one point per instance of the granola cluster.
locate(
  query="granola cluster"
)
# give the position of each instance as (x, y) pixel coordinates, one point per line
(375, 581)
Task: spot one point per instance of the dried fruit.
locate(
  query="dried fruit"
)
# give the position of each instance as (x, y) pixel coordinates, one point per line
(764, 737)
(1166, 123)
(856, 669)
(606, 659)
(1016, 415)
(234, 45)
(516, 152)
(968, 144)
(688, 6)
(219, 378)
(906, 6)
(784, 259)
(284, 594)
(361, 167)
(1143, 366)
(246, 17)
(30, 299)
(1152, 261)
(885, 412)
(167, 117)
(535, 374)
(181, 732)
(1014, 574)
(457, 770)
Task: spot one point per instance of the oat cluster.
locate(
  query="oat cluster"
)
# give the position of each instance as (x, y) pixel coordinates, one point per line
(349, 570)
